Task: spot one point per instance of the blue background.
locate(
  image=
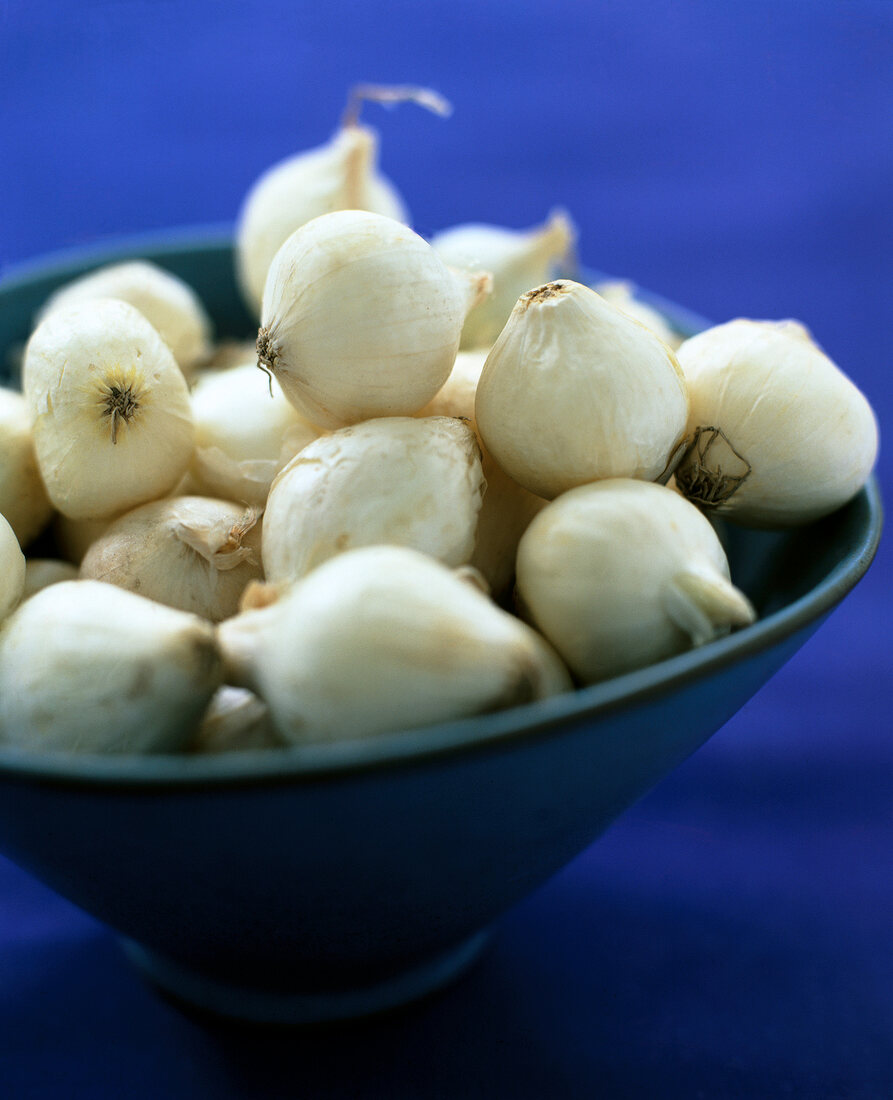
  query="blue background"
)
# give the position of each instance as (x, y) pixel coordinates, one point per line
(731, 935)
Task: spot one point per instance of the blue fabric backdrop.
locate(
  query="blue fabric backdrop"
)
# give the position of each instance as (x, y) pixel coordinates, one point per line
(731, 935)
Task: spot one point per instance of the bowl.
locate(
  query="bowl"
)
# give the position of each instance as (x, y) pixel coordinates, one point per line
(334, 880)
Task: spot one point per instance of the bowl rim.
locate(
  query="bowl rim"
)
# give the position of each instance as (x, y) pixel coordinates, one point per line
(482, 733)
(58, 262)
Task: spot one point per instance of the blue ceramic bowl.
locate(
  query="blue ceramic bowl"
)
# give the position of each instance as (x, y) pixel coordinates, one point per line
(332, 880)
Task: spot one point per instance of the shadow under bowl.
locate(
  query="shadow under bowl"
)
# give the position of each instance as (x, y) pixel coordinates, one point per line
(329, 881)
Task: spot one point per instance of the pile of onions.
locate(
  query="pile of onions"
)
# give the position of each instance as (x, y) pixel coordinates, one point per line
(377, 530)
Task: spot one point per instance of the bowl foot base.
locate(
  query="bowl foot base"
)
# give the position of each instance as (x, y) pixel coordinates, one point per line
(257, 1006)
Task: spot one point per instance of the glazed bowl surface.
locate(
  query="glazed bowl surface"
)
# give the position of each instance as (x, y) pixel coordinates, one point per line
(332, 880)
